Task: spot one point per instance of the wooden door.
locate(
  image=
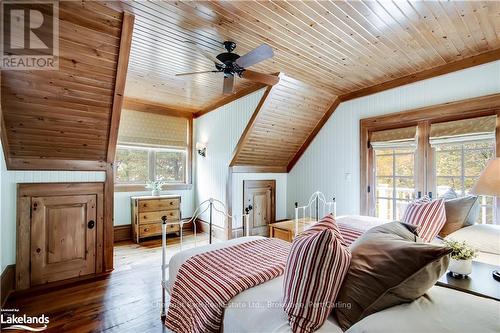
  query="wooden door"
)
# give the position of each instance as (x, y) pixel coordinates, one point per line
(260, 195)
(63, 237)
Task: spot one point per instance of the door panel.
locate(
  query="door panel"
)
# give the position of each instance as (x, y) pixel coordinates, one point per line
(63, 237)
(260, 194)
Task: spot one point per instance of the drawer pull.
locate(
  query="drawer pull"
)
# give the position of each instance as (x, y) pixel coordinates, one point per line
(146, 229)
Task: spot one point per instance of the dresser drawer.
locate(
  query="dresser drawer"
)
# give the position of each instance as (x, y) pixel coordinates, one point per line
(147, 230)
(152, 205)
(155, 217)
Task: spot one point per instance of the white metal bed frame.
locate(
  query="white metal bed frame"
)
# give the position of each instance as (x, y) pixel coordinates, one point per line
(318, 200)
(210, 205)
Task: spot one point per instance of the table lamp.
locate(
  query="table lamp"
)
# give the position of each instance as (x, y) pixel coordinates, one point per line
(489, 184)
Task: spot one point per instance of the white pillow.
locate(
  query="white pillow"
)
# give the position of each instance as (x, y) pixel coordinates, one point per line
(484, 237)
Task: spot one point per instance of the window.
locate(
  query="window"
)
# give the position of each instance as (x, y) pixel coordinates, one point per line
(132, 165)
(457, 168)
(443, 156)
(136, 165)
(394, 181)
(394, 165)
(152, 147)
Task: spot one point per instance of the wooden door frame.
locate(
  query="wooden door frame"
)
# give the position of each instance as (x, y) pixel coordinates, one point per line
(23, 225)
(488, 105)
(248, 184)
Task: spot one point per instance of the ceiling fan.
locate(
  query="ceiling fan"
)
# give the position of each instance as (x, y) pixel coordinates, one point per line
(231, 64)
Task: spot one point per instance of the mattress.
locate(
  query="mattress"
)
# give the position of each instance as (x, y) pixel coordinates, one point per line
(442, 309)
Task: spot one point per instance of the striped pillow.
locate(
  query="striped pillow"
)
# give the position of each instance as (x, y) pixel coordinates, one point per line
(428, 216)
(316, 266)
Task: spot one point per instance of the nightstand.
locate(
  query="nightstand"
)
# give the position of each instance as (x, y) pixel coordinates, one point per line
(480, 282)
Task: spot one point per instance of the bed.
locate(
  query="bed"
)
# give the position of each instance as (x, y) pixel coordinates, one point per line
(258, 309)
(445, 310)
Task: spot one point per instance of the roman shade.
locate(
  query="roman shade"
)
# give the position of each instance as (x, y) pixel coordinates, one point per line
(467, 130)
(145, 129)
(404, 137)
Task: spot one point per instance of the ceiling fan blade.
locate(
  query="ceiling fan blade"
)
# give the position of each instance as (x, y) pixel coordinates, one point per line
(270, 80)
(206, 54)
(194, 73)
(228, 84)
(257, 55)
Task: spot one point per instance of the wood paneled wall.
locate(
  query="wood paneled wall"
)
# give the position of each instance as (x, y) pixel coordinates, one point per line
(65, 115)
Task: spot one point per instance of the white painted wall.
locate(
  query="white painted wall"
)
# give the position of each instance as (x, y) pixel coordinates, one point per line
(221, 129)
(10, 179)
(334, 153)
(237, 202)
(123, 210)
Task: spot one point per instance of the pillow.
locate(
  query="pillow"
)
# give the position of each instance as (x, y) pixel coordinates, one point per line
(390, 265)
(316, 266)
(450, 194)
(483, 237)
(460, 212)
(428, 216)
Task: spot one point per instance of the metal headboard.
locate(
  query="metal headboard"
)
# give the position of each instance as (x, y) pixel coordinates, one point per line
(317, 203)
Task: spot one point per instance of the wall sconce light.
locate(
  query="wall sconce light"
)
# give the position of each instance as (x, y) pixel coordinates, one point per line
(201, 148)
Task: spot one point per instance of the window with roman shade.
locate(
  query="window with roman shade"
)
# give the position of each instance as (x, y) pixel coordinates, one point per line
(145, 129)
(460, 131)
(152, 147)
(394, 170)
(394, 138)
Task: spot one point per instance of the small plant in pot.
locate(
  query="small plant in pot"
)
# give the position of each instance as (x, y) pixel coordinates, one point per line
(461, 258)
(155, 186)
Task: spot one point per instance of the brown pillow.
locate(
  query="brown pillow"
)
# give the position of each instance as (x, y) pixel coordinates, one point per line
(390, 265)
(460, 212)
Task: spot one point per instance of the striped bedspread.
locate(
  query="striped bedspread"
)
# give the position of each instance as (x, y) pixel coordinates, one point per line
(206, 282)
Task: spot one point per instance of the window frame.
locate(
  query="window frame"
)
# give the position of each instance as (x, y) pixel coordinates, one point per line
(424, 155)
(140, 187)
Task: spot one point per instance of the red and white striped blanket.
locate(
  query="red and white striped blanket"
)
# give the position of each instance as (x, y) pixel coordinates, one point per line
(206, 282)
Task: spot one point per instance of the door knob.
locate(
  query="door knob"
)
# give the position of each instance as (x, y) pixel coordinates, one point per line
(91, 224)
(248, 209)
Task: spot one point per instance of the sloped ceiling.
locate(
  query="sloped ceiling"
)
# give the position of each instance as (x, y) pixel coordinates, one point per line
(282, 123)
(65, 114)
(330, 50)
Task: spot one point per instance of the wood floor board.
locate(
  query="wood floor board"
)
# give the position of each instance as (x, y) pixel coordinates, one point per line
(127, 300)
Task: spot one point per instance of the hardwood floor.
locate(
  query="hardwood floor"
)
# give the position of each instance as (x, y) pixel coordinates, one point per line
(127, 300)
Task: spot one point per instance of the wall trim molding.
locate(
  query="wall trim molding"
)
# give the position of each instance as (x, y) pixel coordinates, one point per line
(218, 231)
(121, 76)
(451, 67)
(122, 232)
(229, 98)
(8, 279)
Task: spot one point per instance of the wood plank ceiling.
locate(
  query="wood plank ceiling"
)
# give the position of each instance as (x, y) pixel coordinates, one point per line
(327, 49)
(65, 114)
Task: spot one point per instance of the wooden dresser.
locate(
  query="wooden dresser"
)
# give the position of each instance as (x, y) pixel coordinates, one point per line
(147, 212)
